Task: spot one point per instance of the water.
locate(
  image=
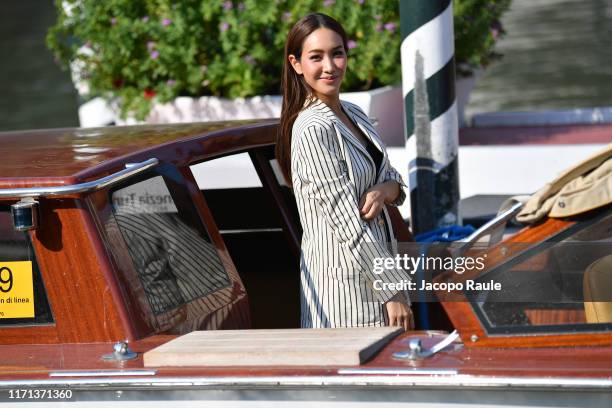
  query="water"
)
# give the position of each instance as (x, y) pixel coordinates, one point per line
(558, 54)
(36, 93)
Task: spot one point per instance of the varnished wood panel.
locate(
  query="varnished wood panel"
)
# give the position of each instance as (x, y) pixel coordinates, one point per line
(74, 273)
(39, 334)
(551, 362)
(49, 156)
(539, 317)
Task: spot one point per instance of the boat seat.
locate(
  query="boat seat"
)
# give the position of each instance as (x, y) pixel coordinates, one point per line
(597, 287)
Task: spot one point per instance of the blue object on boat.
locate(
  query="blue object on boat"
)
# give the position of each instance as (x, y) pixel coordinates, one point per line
(446, 234)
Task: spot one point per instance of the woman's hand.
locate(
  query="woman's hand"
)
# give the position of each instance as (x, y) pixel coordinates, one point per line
(375, 198)
(399, 314)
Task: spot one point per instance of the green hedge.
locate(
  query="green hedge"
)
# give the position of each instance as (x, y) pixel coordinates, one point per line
(138, 51)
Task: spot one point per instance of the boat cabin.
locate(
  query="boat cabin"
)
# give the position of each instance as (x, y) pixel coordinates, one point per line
(107, 235)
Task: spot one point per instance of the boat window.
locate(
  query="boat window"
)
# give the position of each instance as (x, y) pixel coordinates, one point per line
(561, 285)
(173, 255)
(23, 299)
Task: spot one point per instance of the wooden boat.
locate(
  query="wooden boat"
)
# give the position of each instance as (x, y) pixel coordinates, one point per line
(110, 253)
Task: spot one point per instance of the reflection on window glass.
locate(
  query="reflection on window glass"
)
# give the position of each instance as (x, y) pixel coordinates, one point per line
(558, 286)
(175, 260)
(23, 300)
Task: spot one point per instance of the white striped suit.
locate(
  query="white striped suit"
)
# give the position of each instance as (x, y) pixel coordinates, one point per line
(331, 170)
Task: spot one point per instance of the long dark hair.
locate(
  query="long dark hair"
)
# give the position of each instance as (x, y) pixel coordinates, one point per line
(294, 88)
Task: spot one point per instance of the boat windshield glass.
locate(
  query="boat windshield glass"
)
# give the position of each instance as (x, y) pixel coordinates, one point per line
(174, 258)
(561, 285)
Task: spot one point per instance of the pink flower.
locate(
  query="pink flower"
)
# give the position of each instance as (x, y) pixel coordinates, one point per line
(496, 29)
(224, 26)
(351, 44)
(166, 22)
(249, 59)
(150, 45)
(328, 3)
(390, 27)
(241, 7)
(287, 15)
(113, 21)
(171, 82)
(360, 1)
(145, 19)
(227, 5)
(154, 54)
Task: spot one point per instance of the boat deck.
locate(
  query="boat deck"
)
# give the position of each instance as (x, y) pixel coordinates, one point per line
(44, 362)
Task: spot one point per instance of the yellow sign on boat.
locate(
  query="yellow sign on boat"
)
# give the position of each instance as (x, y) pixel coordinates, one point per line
(16, 290)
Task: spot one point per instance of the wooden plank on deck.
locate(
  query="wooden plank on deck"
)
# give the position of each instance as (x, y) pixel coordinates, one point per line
(282, 347)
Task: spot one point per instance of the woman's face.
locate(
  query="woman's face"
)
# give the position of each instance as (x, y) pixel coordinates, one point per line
(323, 62)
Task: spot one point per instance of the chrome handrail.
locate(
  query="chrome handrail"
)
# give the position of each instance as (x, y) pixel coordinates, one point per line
(87, 187)
(488, 228)
(502, 218)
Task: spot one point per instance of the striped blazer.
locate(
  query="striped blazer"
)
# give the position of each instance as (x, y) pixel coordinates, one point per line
(331, 170)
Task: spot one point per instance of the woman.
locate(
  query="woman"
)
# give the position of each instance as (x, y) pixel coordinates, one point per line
(342, 180)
